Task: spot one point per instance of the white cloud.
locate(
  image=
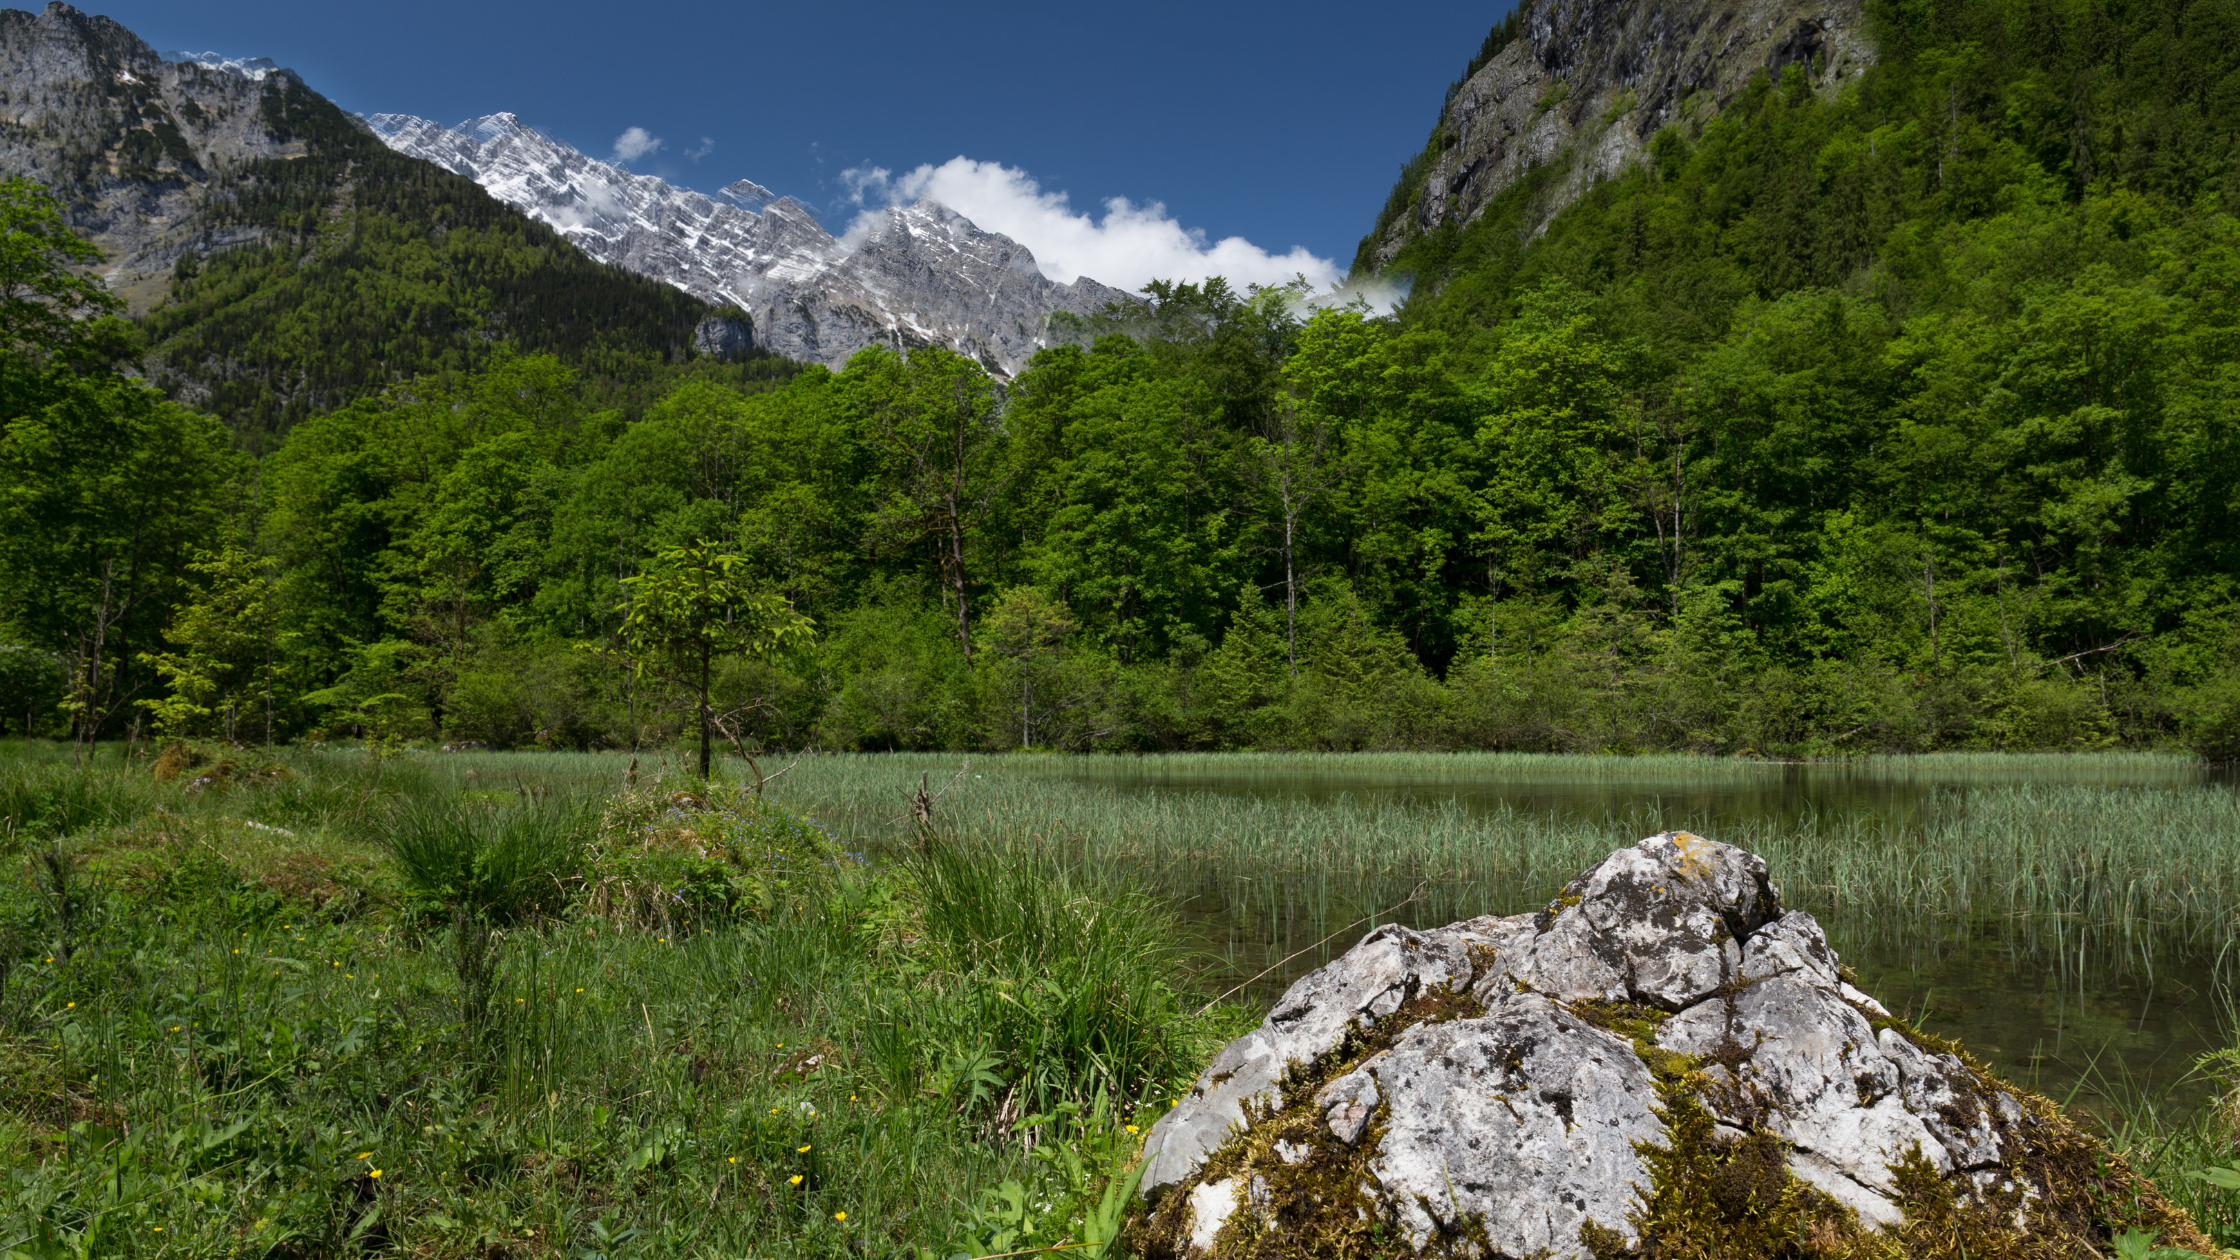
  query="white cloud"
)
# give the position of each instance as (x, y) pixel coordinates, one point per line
(705, 147)
(1132, 244)
(635, 143)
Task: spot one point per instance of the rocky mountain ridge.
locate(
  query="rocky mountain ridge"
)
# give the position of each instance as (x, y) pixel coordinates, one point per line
(1589, 82)
(279, 258)
(131, 140)
(923, 275)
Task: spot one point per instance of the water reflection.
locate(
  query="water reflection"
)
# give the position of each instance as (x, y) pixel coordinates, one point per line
(1697, 794)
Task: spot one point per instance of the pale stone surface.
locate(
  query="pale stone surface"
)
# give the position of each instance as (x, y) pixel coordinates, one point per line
(1211, 1206)
(1309, 1021)
(1812, 1070)
(1524, 1120)
(1350, 1102)
(1519, 1115)
(65, 78)
(1656, 924)
(1600, 78)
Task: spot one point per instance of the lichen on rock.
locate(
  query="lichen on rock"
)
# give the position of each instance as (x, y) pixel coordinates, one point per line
(1661, 1062)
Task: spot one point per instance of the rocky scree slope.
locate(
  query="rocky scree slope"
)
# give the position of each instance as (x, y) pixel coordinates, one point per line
(1587, 83)
(923, 275)
(1662, 1058)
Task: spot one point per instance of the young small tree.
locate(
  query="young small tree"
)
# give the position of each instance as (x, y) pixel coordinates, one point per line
(221, 666)
(694, 605)
(1030, 629)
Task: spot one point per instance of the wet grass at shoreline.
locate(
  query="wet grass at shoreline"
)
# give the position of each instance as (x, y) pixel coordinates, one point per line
(2114, 868)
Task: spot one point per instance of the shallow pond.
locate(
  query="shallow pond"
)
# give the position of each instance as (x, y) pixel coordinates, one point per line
(2078, 1015)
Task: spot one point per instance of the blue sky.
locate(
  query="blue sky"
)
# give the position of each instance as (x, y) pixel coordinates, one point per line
(1279, 123)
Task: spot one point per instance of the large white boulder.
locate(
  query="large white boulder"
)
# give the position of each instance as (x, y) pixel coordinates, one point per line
(1509, 1087)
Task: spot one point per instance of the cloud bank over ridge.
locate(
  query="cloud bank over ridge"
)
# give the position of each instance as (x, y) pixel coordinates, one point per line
(1130, 245)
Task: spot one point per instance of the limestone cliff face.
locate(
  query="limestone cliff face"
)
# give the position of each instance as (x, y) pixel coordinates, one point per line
(1589, 82)
(130, 140)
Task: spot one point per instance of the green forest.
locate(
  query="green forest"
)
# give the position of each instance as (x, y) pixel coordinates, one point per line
(1897, 420)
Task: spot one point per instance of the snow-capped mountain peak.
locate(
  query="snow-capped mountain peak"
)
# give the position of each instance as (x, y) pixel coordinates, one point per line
(922, 274)
(252, 68)
(747, 195)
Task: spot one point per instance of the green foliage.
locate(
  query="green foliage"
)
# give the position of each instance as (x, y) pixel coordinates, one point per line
(44, 290)
(220, 671)
(2139, 1244)
(2212, 717)
(216, 1065)
(106, 494)
(926, 424)
(30, 689)
(902, 683)
(493, 860)
(1893, 419)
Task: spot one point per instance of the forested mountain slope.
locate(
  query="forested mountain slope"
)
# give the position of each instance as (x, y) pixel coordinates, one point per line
(285, 259)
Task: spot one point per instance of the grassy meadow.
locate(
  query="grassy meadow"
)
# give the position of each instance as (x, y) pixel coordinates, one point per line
(330, 1002)
(243, 1015)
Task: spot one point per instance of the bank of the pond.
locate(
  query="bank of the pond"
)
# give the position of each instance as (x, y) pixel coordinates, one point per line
(2068, 916)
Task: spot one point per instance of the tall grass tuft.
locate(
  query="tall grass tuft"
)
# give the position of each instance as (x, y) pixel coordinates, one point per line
(1066, 978)
(41, 799)
(501, 863)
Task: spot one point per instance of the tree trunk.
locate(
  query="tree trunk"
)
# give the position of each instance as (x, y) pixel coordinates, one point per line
(1290, 589)
(89, 716)
(956, 578)
(1493, 613)
(1929, 586)
(705, 669)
